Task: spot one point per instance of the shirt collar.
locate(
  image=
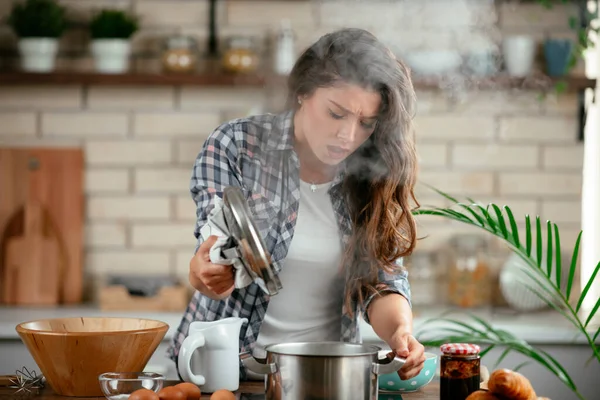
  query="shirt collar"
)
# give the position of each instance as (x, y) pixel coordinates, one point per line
(281, 136)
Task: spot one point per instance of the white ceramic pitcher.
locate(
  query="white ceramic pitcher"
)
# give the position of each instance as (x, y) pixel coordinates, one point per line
(209, 355)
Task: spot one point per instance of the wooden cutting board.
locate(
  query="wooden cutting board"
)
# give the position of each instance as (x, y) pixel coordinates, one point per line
(32, 260)
(52, 177)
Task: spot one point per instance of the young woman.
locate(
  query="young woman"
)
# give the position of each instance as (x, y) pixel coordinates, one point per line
(330, 184)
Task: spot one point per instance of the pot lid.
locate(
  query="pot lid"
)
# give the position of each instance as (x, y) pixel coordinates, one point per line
(255, 257)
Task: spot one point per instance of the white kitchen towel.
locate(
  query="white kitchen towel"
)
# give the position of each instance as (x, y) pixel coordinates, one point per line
(216, 225)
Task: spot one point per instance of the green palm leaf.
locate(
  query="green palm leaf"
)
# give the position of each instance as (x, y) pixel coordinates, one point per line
(474, 214)
(587, 288)
(528, 234)
(558, 255)
(501, 223)
(513, 227)
(592, 314)
(538, 242)
(483, 352)
(545, 279)
(518, 367)
(550, 252)
(573, 266)
(505, 353)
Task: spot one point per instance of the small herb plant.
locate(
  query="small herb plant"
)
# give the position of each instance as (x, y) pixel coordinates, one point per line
(38, 19)
(583, 27)
(113, 24)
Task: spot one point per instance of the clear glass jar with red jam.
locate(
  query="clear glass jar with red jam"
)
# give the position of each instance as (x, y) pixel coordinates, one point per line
(459, 370)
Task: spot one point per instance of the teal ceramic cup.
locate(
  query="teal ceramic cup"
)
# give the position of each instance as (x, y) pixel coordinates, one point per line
(393, 383)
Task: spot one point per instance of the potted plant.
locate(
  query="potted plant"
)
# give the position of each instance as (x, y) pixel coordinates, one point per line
(561, 55)
(110, 32)
(542, 266)
(38, 24)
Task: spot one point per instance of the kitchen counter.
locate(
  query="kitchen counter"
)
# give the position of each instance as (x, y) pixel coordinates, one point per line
(543, 327)
(546, 330)
(10, 317)
(249, 391)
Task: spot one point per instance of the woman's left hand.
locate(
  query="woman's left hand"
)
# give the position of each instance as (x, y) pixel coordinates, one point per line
(406, 346)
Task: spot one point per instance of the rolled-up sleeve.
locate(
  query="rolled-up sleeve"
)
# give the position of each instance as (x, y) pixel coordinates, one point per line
(390, 283)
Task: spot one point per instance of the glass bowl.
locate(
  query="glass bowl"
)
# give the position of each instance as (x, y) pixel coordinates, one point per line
(119, 385)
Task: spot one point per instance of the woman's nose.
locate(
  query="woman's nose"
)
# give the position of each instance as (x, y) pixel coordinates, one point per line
(348, 131)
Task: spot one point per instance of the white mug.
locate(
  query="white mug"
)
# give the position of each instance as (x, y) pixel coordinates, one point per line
(209, 355)
(519, 54)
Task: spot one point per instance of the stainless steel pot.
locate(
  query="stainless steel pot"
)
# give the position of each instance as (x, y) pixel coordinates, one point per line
(323, 370)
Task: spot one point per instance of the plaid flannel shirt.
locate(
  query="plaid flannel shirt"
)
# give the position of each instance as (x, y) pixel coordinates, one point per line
(256, 153)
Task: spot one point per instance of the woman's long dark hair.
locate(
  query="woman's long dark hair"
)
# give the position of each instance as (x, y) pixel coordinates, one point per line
(381, 174)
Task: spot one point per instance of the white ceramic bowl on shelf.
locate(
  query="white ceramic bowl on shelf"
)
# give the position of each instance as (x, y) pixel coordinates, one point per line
(433, 62)
(515, 285)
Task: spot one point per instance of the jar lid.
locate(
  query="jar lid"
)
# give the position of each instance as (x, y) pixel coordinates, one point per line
(241, 42)
(180, 42)
(460, 348)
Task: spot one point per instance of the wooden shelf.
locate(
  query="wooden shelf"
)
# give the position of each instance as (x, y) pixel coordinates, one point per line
(501, 82)
(538, 82)
(130, 79)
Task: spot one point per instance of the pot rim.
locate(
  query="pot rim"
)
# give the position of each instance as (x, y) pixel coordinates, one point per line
(322, 349)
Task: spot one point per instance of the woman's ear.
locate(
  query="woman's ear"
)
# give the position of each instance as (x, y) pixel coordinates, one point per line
(302, 98)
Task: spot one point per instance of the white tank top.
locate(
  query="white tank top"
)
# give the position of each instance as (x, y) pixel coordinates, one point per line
(309, 307)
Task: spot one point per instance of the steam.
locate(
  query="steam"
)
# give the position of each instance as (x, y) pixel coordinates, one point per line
(453, 42)
(452, 45)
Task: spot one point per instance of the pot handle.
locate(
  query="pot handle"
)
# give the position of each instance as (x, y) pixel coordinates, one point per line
(391, 366)
(258, 367)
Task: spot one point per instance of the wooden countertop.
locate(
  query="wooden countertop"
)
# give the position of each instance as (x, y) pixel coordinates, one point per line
(247, 391)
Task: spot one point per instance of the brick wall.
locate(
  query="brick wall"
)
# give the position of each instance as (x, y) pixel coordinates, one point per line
(503, 146)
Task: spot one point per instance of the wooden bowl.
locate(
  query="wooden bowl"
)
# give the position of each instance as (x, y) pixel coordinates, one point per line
(72, 352)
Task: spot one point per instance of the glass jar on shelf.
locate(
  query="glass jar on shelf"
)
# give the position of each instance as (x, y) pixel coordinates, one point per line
(240, 55)
(469, 280)
(180, 54)
(424, 275)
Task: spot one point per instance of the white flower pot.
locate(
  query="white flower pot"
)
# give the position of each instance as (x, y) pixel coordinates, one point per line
(519, 55)
(38, 54)
(111, 56)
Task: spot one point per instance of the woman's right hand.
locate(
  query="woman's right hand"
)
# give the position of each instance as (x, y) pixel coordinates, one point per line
(213, 280)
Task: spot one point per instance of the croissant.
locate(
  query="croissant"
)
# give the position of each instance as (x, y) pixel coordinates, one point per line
(511, 385)
(486, 395)
(481, 395)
